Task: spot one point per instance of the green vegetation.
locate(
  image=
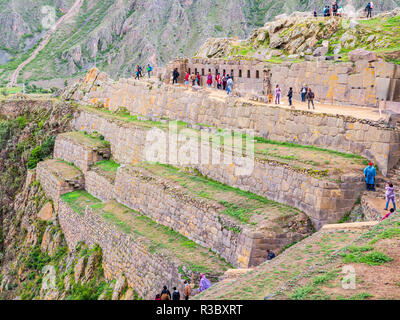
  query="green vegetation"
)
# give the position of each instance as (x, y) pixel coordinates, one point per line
(79, 200)
(41, 152)
(156, 237)
(309, 147)
(241, 205)
(357, 255)
(108, 166)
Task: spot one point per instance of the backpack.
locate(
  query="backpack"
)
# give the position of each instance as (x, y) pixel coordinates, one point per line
(150, 68)
(371, 5)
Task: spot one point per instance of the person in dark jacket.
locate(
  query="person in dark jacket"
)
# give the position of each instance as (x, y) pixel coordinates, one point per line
(368, 8)
(165, 294)
(175, 76)
(176, 295)
(310, 97)
(271, 255)
(290, 96)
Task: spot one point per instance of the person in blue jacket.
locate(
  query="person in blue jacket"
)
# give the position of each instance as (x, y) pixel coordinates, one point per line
(370, 173)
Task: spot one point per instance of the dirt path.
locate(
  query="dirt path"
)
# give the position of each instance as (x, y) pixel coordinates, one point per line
(74, 9)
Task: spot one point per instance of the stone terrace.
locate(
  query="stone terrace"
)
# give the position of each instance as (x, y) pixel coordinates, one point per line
(81, 149)
(58, 177)
(322, 183)
(376, 140)
(237, 225)
(148, 254)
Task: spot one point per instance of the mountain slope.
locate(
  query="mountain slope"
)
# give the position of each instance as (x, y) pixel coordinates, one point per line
(118, 34)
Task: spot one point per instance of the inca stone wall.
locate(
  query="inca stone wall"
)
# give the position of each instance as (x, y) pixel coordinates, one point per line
(145, 272)
(55, 185)
(360, 83)
(323, 201)
(197, 220)
(99, 186)
(375, 140)
(71, 151)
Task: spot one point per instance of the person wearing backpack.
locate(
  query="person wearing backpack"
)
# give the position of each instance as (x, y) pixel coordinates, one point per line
(368, 8)
(165, 294)
(149, 70)
(176, 295)
(310, 98)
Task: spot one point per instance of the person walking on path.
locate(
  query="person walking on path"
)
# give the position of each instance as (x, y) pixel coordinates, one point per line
(390, 195)
(187, 76)
(277, 95)
(137, 74)
(209, 79)
(368, 9)
(303, 92)
(229, 85)
(175, 76)
(310, 98)
(187, 290)
(193, 78)
(165, 294)
(218, 80)
(198, 79)
(149, 70)
(204, 283)
(176, 295)
(369, 174)
(224, 81)
(290, 96)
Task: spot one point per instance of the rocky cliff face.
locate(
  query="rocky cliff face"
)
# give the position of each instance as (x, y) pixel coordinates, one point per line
(296, 36)
(118, 34)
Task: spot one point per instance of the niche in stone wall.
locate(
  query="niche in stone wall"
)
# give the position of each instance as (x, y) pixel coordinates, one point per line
(202, 72)
(257, 74)
(248, 73)
(240, 73)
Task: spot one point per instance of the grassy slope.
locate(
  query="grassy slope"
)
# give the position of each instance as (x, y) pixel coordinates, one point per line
(312, 268)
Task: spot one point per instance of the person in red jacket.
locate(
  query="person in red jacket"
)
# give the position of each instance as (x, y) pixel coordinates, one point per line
(187, 79)
(209, 79)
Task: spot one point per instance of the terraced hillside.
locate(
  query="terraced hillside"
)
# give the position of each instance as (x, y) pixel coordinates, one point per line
(313, 269)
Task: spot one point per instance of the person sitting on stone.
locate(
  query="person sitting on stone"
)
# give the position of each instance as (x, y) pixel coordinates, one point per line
(369, 174)
(270, 255)
(388, 214)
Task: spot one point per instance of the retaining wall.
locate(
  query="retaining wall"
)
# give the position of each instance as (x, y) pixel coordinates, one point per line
(375, 140)
(323, 201)
(145, 272)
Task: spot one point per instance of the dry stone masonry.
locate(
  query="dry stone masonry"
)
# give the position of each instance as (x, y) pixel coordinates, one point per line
(376, 140)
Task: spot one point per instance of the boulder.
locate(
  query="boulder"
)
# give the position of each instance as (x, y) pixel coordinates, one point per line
(320, 51)
(46, 213)
(361, 54)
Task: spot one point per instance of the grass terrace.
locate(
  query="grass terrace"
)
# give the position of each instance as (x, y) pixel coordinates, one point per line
(91, 141)
(312, 269)
(63, 169)
(106, 168)
(157, 238)
(243, 206)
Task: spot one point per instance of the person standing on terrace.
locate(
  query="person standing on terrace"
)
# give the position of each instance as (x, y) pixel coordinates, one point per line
(369, 174)
(277, 95)
(290, 96)
(229, 85)
(218, 80)
(175, 76)
(310, 97)
(209, 79)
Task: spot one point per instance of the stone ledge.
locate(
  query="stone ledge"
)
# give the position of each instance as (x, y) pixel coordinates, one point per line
(80, 149)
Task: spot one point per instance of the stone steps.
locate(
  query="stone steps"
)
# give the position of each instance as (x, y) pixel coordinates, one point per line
(81, 149)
